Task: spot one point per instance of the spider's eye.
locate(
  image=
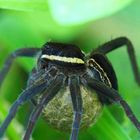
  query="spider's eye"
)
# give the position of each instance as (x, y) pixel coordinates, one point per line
(42, 63)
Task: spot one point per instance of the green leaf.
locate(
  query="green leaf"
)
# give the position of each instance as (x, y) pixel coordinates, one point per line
(107, 127)
(24, 5)
(71, 12)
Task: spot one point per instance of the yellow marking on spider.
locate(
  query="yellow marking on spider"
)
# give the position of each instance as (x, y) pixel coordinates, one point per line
(63, 59)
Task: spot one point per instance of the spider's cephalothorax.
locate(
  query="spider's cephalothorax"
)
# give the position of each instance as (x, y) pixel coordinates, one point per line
(68, 87)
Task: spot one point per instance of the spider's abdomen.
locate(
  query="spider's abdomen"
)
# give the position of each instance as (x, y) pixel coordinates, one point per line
(59, 112)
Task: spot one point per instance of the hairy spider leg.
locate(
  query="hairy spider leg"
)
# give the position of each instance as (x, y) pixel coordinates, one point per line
(23, 52)
(112, 94)
(26, 95)
(51, 91)
(77, 106)
(117, 43)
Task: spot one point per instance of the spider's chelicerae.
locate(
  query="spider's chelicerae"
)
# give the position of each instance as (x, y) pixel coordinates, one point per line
(68, 87)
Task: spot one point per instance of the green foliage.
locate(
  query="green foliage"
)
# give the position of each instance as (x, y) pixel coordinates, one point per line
(32, 23)
(71, 12)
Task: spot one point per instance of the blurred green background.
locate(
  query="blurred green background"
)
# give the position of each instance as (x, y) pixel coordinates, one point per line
(87, 23)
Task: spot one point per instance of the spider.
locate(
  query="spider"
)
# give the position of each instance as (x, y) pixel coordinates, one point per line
(69, 88)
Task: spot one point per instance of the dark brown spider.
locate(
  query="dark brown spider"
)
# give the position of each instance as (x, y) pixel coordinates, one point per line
(65, 77)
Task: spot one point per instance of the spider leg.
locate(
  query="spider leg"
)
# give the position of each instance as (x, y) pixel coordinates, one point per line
(51, 91)
(26, 95)
(112, 94)
(117, 43)
(77, 106)
(26, 52)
